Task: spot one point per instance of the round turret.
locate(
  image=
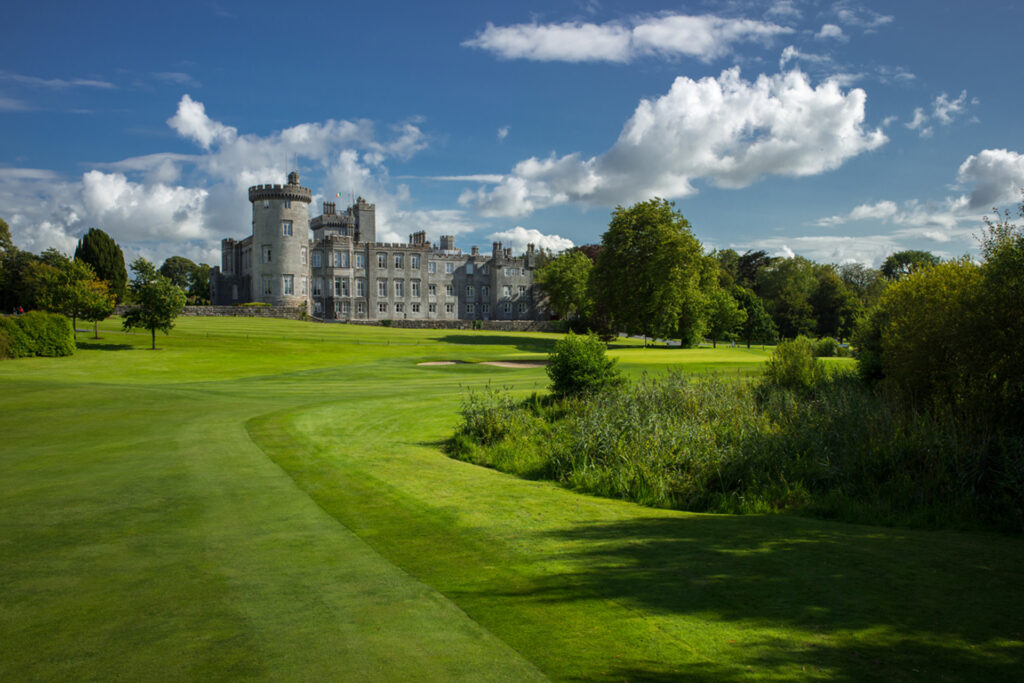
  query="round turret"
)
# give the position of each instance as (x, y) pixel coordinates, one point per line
(280, 242)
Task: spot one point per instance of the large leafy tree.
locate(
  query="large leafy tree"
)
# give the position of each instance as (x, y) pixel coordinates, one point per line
(786, 287)
(565, 280)
(63, 285)
(758, 327)
(836, 307)
(15, 266)
(96, 303)
(199, 288)
(724, 316)
(902, 263)
(192, 277)
(158, 301)
(649, 264)
(101, 252)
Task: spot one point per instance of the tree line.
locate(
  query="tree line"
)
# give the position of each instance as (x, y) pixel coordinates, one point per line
(650, 276)
(88, 285)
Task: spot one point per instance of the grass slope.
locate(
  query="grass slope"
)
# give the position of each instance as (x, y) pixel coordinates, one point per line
(266, 499)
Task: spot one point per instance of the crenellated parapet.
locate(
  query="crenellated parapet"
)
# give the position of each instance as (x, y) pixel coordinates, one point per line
(289, 191)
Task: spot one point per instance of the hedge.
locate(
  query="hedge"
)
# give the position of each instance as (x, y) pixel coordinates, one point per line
(36, 334)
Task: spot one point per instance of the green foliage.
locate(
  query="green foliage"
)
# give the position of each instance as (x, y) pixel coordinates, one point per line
(192, 277)
(836, 306)
(648, 268)
(579, 365)
(787, 286)
(793, 366)
(37, 333)
(101, 252)
(157, 300)
(565, 279)
(62, 285)
(827, 347)
(726, 316)
(758, 327)
(903, 263)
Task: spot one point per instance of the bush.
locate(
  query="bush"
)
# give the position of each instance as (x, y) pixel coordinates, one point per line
(386, 322)
(793, 366)
(37, 334)
(254, 304)
(826, 347)
(579, 365)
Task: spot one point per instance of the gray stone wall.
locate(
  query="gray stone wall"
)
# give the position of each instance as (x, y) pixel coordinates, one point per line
(489, 325)
(287, 312)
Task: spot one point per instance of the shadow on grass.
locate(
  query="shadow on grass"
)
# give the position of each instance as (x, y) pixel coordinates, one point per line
(864, 602)
(530, 344)
(99, 346)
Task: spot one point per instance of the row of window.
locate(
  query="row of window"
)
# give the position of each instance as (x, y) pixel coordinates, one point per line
(344, 308)
(341, 260)
(287, 203)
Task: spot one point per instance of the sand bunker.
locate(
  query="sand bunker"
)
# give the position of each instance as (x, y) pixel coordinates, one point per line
(496, 363)
(516, 363)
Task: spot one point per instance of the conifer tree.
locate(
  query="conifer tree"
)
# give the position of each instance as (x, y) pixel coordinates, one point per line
(101, 252)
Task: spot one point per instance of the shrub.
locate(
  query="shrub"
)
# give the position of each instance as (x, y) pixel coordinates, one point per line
(793, 366)
(37, 334)
(826, 347)
(579, 365)
(386, 322)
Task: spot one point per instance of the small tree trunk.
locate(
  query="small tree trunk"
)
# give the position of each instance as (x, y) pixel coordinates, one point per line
(74, 327)
(95, 329)
(714, 343)
(153, 332)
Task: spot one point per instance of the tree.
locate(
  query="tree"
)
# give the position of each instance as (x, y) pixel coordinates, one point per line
(178, 270)
(749, 265)
(97, 303)
(867, 284)
(725, 317)
(199, 290)
(903, 263)
(836, 308)
(62, 285)
(15, 266)
(158, 300)
(758, 328)
(565, 279)
(106, 258)
(786, 287)
(648, 265)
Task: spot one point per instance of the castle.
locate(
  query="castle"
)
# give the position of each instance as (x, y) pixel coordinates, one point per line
(343, 273)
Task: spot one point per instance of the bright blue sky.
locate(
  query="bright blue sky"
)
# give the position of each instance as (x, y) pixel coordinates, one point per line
(836, 130)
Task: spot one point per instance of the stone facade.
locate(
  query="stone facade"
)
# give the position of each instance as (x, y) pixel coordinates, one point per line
(343, 273)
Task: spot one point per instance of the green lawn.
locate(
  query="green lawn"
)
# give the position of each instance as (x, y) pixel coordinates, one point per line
(267, 499)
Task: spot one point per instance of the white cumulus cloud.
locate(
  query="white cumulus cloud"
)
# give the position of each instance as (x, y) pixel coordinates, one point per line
(192, 122)
(726, 130)
(519, 237)
(704, 37)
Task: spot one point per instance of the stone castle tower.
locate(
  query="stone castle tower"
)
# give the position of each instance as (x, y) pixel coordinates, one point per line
(280, 242)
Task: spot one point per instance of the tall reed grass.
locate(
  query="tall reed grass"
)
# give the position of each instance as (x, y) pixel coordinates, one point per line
(843, 450)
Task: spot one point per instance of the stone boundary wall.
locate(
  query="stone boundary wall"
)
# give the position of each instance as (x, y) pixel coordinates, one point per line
(491, 325)
(287, 312)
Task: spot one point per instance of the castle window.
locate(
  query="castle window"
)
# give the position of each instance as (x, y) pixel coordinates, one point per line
(449, 267)
(288, 205)
(522, 290)
(507, 271)
(288, 284)
(361, 307)
(522, 308)
(414, 261)
(449, 290)
(432, 290)
(485, 308)
(415, 308)
(337, 286)
(337, 259)
(360, 287)
(302, 257)
(469, 308)
(484, 269)
(398, 260)
(344, 287)
(360, 260)
(431, 308)
(317, 258)
(399, 307)
(382, 260)
(344, 259)
(506, 307)
(266, 253)
(469, 269)
(266, 203)
(305, 286)
(484, 291)
(449, 308)
(415, 286)
(506, 291)
(399, 288)
(346, 307)
(268, 286)
(382, 307)
(382, 287)
(432, 267)
(286, 228)
(318, 286)
(469, 292)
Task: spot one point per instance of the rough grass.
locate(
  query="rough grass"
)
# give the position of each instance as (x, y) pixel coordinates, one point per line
(270, 501)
